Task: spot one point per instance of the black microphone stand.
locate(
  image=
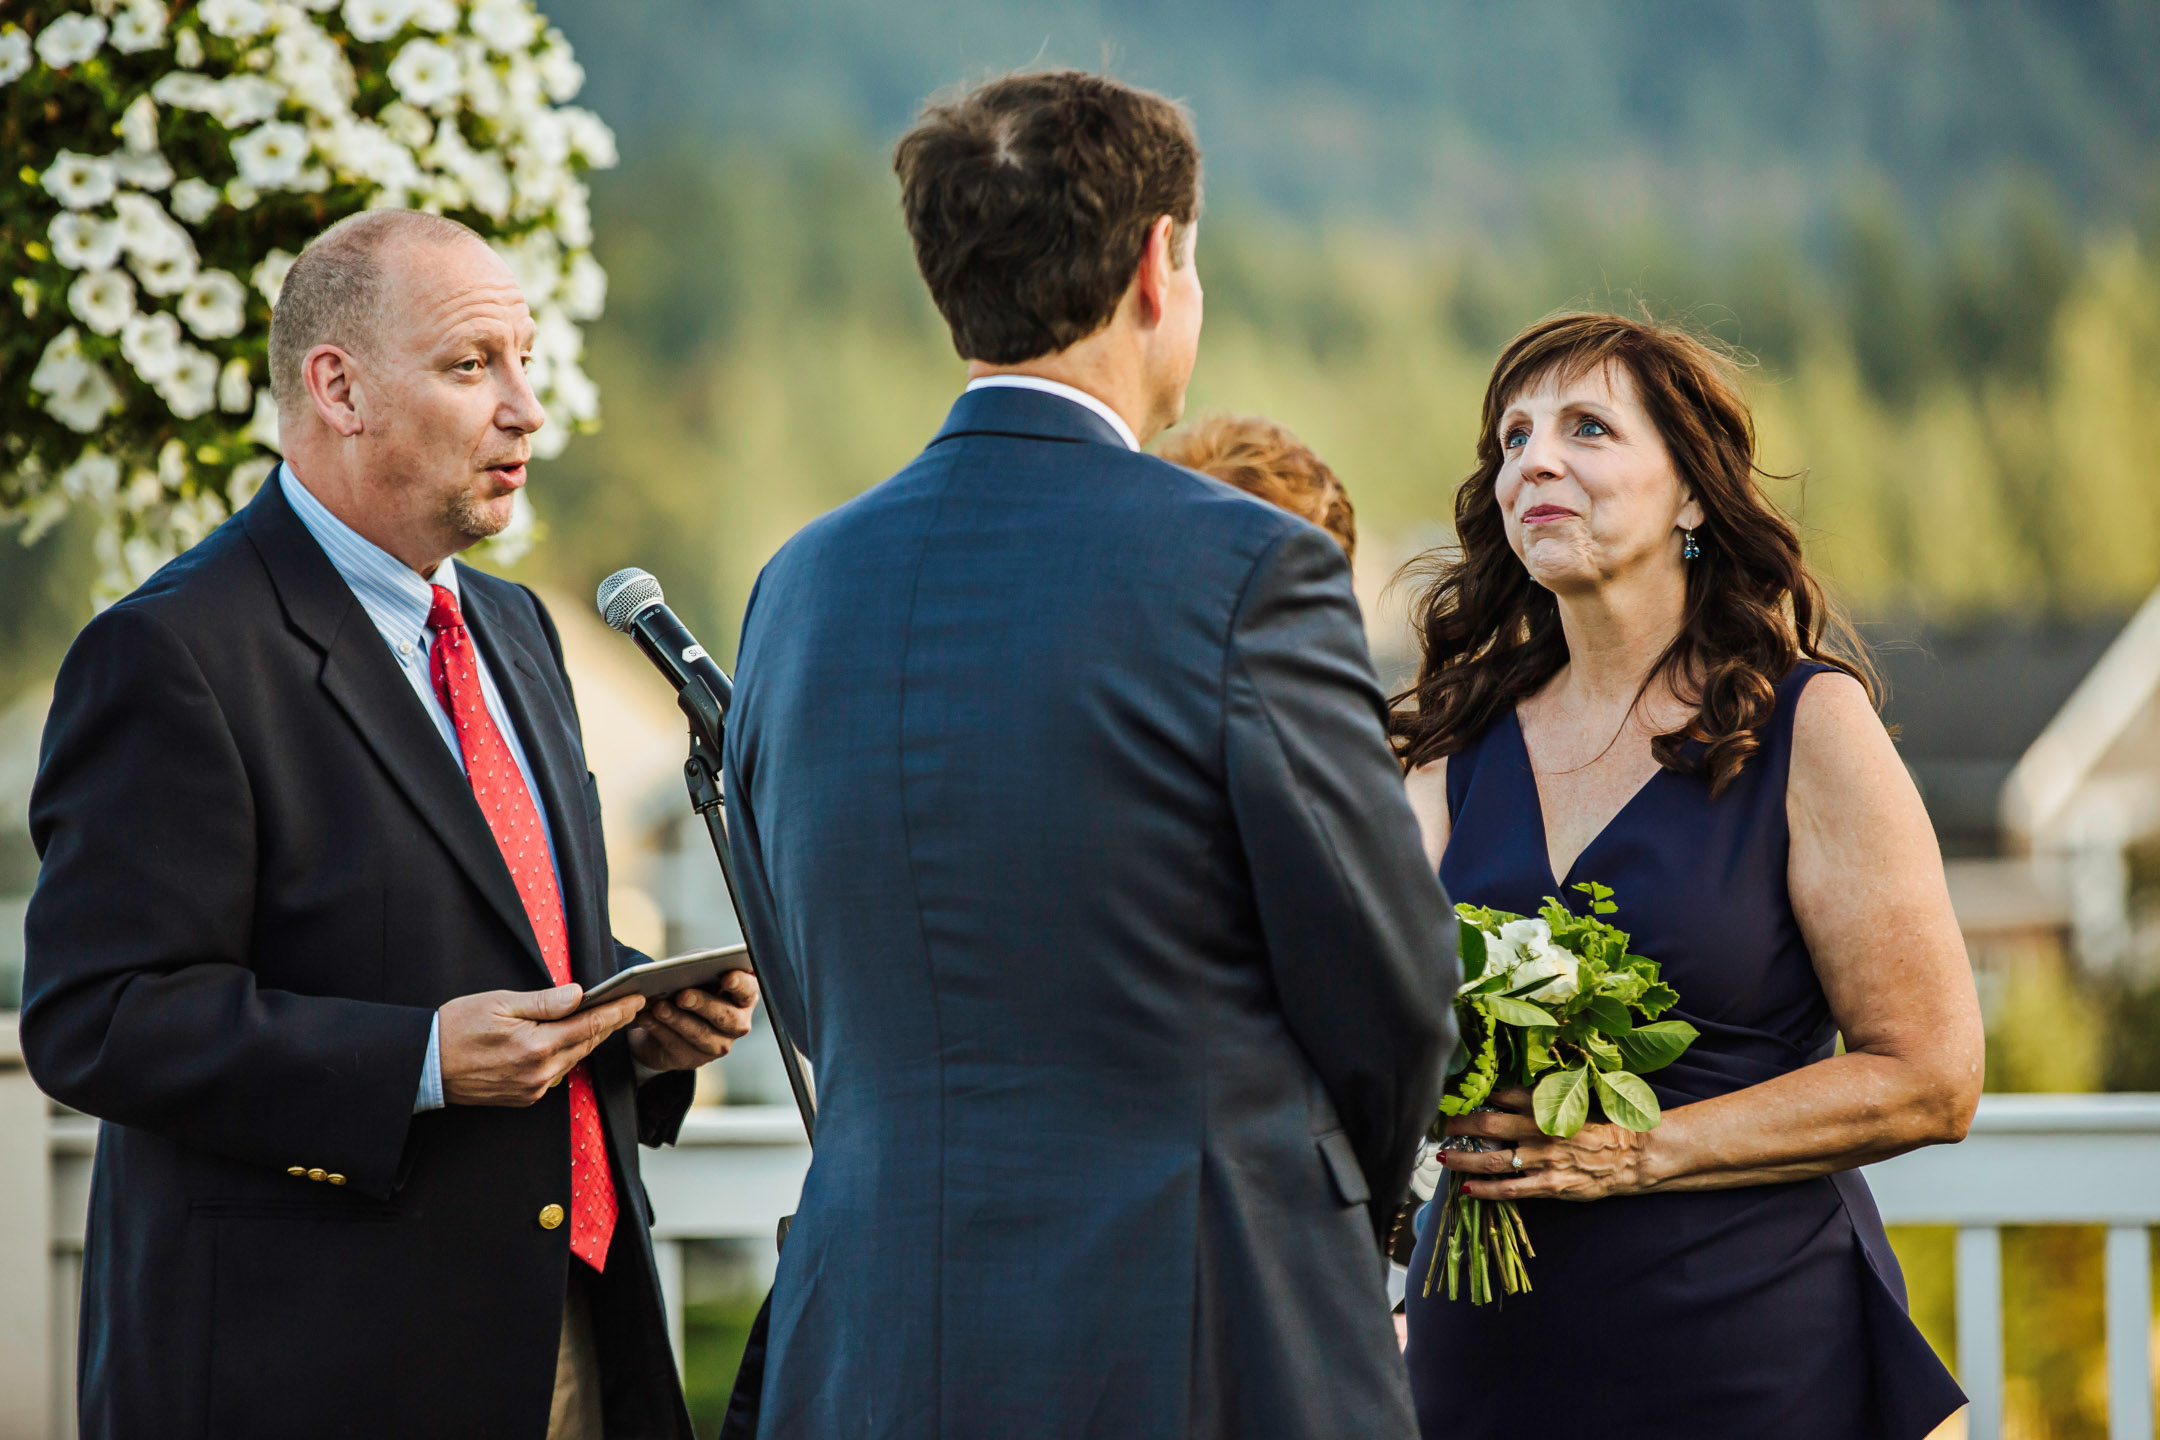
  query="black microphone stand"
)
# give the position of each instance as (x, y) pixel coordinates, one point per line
(707, 713)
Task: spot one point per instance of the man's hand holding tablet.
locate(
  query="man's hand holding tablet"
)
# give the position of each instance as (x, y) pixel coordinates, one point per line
(698, 1006)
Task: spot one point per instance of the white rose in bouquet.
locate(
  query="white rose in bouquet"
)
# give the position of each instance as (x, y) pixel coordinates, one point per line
(145, 240)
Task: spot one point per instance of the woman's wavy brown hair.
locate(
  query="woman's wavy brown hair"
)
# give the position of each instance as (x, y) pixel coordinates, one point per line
(1490, 635)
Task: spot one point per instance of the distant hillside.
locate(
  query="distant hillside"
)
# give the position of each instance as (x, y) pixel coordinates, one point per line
(1733, 111)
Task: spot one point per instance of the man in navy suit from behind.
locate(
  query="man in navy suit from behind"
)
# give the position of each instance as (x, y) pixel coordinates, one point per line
(1071, 846)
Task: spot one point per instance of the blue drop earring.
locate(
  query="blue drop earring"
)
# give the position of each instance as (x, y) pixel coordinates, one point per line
(1689, 550)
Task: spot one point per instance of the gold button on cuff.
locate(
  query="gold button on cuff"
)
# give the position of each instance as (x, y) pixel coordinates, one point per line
(550, 1216)
(298, 1172)
(335, 1179)
(316, 1172)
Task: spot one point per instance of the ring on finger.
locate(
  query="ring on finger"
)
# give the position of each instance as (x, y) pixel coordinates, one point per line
(1515, 1158)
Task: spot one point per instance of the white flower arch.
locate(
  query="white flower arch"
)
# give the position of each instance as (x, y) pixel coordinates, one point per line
(167, 163)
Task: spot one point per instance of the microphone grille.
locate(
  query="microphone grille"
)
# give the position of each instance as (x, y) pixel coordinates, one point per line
(624, 594)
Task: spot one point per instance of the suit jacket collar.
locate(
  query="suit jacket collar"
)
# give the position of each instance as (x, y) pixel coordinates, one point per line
(1026, 414)
(365, 682)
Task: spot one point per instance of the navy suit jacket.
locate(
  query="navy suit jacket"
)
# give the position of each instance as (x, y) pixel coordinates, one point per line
(1071, 847)
(263, 871)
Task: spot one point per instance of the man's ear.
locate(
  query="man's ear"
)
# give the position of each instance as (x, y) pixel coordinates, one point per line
(332, 387)
(1158, 258)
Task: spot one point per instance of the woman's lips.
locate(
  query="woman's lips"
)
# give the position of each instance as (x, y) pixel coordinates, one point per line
(1541, 514)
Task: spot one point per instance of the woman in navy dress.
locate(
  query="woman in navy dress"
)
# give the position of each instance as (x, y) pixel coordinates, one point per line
(1624, 681)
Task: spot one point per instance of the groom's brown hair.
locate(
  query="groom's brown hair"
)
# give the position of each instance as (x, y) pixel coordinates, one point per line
(1029, 200)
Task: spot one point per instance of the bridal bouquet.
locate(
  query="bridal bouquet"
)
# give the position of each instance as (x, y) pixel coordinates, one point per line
(1554, 1003)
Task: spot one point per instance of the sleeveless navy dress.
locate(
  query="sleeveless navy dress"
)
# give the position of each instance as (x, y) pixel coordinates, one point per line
(1772, 1312)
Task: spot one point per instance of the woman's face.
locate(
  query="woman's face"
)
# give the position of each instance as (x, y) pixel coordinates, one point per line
(1586, 488)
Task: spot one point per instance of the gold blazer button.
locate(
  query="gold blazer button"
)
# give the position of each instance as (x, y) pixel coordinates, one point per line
(318, 1173)
(335, 1179)
(298, 1172)
(550, 1216)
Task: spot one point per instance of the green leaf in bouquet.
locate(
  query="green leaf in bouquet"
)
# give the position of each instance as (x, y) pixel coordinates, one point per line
(1628, 1099)
(1657, 998)
(1601, 901)
(1509, 1011)
(1480, 1043)
(1654, 1046)
(1603, 1053)
(1561, 1101)
(1608, 1014)
(1623, 985)
(1537, 1043)
(1470, 945)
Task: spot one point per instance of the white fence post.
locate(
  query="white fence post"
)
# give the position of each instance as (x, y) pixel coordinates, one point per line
(1980, 1329)
(26, 1306)
(2129, 1333)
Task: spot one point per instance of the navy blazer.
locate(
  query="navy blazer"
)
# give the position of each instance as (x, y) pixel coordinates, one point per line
(1071, 846)
(263, 871)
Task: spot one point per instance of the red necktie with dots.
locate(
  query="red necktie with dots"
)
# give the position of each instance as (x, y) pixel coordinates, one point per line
(511, 814)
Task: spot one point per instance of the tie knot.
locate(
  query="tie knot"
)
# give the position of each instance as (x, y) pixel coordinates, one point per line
(443, 614)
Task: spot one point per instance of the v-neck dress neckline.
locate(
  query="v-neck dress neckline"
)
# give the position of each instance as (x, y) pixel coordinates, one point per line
(1544, 830)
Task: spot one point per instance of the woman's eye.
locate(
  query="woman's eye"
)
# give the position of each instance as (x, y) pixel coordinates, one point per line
(1592, 429)
(1515, 439)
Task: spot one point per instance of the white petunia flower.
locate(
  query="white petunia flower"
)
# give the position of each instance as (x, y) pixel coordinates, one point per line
(536, 264)
(575, 394)
(484, 94)
(247, 478)
(241, 195)
(585, 289)
(549, 441)
(70, 39)
(148, 233)
(319, 6)
(262, 426)
(573, 217)
(94, 476)
(270, 156)
(362, 148)
(139, 126)
(167, 274)
(84, 242)
(437, 17)
(187, 49)
(104, 300)
(144, 169)
(590, 137)
(189, 389)
(374, 21)
(239, 101)
(559, 69)
(14, 55)
(214, 305)
(268, 277)
(311, 67)
(508, 26)
(184, 89)
(80, 181)
(78, 393)
(235, 19)
(234, 393)
(195, 200)
(139, 26)
(151, 343)
(426, 74)
(406, 125)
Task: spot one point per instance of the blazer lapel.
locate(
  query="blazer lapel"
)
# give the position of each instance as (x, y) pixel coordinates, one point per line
(366, 683)
(558, 769)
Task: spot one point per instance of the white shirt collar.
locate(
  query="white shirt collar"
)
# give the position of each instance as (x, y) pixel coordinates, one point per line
(395, 597)
(1063, 391)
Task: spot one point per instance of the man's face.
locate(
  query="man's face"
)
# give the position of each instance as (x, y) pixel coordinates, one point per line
(447, 409)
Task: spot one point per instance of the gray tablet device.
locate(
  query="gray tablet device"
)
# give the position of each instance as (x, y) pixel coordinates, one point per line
(697, 970)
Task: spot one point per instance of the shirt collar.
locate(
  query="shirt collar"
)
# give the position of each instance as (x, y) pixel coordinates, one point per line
(1064, 392)
(392, 592)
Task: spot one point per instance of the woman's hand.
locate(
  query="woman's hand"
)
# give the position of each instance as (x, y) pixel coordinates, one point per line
(1596, 1161)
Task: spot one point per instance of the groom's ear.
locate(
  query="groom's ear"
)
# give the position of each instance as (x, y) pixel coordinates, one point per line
(1158, 261)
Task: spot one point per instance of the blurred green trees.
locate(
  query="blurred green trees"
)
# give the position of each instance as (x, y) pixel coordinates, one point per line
(1961, 405)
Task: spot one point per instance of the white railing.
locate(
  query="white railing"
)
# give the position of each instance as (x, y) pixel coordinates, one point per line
(2031, 1160)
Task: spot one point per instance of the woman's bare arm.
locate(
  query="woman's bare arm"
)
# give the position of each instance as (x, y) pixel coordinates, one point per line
(1427, 789)
(1867, 885)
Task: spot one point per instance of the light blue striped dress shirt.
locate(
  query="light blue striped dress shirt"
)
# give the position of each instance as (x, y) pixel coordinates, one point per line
(398, 601)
